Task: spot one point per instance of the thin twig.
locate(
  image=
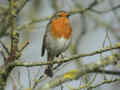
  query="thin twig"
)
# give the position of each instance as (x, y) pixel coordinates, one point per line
(112, 72)
(104, 82)
(76, 73)
(74, 57)
(23, 46)
(4, 46)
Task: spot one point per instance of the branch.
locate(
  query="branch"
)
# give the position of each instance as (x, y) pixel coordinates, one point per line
(7, 17)
(9, 21)
(47, 18)
(87, 86)
(77, 73)
(105, 11)
(23, 46)
(104, 82)
(112, 72)
(4, 46)
(72, 12)
(74, 57)
(5, 70)
(14, 41)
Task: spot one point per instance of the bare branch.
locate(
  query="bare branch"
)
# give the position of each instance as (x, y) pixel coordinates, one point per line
(77, 73)
(7, 17)
(74, 57)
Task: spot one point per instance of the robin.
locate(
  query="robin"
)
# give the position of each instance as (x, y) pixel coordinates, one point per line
(57, 37)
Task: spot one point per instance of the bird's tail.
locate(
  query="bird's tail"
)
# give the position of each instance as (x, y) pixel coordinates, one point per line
(49, 68)
(49, 71)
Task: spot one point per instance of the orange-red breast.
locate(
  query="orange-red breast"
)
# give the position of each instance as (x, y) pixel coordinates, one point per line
(57, 37)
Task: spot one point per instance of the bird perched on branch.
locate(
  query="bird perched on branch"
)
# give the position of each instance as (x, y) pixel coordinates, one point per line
(57, 37)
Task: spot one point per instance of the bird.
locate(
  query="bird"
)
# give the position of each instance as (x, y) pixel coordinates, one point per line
(57, 38)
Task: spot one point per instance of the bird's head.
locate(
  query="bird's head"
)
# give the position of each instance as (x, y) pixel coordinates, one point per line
(62, 14)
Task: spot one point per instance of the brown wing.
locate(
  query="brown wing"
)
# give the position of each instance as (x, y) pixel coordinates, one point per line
(44, 40)
(43, 47)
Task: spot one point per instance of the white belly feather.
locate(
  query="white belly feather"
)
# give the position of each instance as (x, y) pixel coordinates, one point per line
(57, 46)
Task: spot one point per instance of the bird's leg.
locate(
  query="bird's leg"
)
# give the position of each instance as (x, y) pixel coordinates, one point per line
(49, 68)
(59, 64)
